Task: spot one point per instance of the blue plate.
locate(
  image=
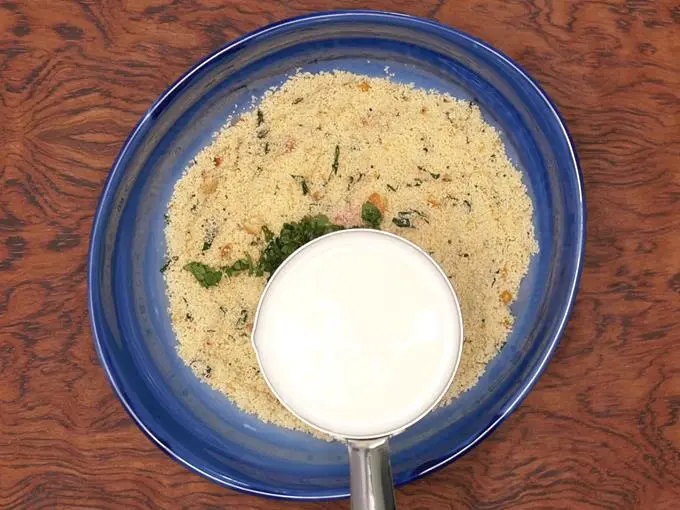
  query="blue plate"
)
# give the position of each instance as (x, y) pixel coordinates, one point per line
(196, 425)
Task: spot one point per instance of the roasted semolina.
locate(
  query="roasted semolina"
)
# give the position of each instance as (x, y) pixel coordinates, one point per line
(433, 169)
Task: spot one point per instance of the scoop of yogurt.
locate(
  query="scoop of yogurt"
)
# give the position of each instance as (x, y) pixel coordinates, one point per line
(359, 333)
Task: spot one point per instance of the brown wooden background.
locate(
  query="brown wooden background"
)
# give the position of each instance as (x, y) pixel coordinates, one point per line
(601, 429)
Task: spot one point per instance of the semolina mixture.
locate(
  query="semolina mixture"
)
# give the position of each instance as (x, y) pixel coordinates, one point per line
(330, 151)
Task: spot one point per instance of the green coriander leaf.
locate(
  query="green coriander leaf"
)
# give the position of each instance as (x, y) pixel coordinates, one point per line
(242, 319)
(244, 264)
(207, 276)
(292, 237)
(251, 266)
(302, 182)
(371, 215)
(336, 163)
(268, 234)
(336, 159)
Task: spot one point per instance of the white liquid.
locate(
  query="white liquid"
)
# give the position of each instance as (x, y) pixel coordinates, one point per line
(359, 334)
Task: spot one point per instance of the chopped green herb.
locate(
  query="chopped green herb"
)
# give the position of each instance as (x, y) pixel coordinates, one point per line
(242, 319)
(165, 266)
(261, 133)
(371, 215)
(207, 276)
(292, 237)
(277, 249)
(260, 117)
(207, 245)
(241, 265)
(336, 162)
(266, 148)
(303, 184)
(237, 267)
(268, 234)
(391, 188)
(254, 269)
(468, 204)
(166, 218)
(435, 176)
(297, 100)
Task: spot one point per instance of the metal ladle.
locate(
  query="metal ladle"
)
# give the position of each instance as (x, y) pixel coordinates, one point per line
(371, 483)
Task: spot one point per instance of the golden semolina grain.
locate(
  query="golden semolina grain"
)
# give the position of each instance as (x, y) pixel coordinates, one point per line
(326, 144)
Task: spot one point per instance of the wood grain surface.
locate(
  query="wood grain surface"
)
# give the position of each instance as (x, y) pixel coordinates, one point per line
(601, 430)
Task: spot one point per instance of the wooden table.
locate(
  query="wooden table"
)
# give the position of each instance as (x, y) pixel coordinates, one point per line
(601, 430)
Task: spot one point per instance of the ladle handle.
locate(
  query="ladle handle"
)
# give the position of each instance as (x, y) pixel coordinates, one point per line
(370, 475)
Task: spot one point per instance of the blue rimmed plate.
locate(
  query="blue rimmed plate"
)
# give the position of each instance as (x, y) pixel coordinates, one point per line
(199, 427)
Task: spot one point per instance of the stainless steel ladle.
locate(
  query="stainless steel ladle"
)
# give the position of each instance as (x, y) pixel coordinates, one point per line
(371, 483)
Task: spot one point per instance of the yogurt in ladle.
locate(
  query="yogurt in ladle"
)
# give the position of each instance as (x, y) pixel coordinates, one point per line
(359, 334)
